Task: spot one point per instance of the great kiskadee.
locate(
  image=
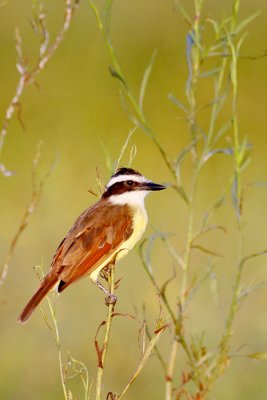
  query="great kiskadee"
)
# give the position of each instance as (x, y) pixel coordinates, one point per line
(104, 232)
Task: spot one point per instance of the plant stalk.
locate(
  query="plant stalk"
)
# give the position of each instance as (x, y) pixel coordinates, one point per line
(101, 365)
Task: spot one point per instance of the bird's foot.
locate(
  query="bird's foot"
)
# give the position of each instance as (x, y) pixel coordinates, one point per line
(111, 299)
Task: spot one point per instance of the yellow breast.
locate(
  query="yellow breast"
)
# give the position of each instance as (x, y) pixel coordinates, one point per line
(139, 225)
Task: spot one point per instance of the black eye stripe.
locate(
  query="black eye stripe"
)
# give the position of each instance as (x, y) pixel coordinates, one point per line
(121, 187)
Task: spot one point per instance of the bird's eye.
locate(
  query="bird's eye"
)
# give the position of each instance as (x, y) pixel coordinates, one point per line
(130, 183)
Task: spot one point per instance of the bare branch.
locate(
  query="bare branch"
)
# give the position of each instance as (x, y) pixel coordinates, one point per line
(29, 210)
(28, 77)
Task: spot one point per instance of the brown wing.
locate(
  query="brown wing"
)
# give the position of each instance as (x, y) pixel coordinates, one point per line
(96, 234)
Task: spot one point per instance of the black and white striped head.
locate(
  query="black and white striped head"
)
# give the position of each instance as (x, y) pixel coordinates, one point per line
(128, 186)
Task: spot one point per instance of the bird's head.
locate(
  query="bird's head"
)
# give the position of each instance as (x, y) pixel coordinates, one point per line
(128, 186)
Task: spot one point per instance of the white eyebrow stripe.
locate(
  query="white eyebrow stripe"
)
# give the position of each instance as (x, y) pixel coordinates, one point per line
(123, 178)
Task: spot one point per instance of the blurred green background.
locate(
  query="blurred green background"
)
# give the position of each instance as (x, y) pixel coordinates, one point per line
(76, 110)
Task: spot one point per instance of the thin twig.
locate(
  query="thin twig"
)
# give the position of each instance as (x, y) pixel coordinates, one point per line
(60, 357)
(30, 209)
(28, 77)
(55, 332)
(108, 322)
(169, 376)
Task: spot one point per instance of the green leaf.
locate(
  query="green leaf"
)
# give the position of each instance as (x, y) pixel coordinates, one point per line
(258, 356)
(215, 25)
(205, 250)
(144, 359)
(107, 156)
(222, 130)
(179, 186)
(235, 12)
(166, 283)
(210, 228)
(180, 189)
(245, 292)
(253, 255)
(210, 73)
(185, 151)
(132, 155)
(178, 103)
(145, 80)
(259, 184)
(243, 150)
(124, 148)
(246, 161)
(107, 13)
(246, 21)
(183, 12)
(116, 75)
(211, 153)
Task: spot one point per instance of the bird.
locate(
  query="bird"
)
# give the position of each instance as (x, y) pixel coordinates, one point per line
(104, 232)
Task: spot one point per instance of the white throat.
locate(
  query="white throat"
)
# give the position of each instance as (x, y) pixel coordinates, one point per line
(133, 199)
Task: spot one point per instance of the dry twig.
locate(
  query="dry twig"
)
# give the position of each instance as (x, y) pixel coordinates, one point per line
(28, 77)
(37, 189)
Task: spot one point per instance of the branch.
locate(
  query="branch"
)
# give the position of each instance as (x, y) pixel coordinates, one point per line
(28, 77)
(101, 353)
(30, 209)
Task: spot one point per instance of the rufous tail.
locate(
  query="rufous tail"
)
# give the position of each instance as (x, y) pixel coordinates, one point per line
(46, 285)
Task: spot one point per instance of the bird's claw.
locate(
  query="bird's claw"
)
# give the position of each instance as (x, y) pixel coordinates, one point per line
(111, 299)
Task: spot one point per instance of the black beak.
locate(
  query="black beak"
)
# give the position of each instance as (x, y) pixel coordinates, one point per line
(152, 186)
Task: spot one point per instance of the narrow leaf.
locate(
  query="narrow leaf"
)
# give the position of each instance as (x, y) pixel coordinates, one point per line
(178, 103)
(144, 359)
(215, 25)
(189, 46)
(205, 250)
(166, 283)
(245, 163)
(235, 12)
(179, 186)
(116, 75)
(222, 130)
(183, 12)
(124, 148)
(260, 184)
(235, 199)
(258, 356)
(218, 100)
(99, 351)
(107, 155)
(132, 155)
(185, 151)
(145, 80)
(207, 229)
(253, 255)
(228, 152)
(107, 13)
(246, 21)
(210, 73)
(179, 189)
(245, 292)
